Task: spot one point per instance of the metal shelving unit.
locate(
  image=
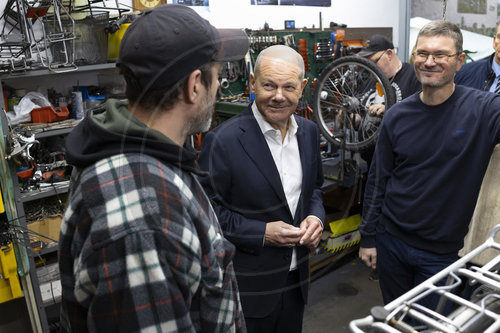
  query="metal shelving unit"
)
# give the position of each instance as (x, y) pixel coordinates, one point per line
(56, 189)
(39, 311)
(47, 250)
(31, 283)
(43, 72)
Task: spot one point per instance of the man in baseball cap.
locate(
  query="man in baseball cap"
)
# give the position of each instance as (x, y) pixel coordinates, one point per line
(374, 44)
(381, 51)
(140, 245)
(167, 43)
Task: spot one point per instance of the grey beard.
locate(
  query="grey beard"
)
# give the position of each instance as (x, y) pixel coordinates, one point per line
(203, 120)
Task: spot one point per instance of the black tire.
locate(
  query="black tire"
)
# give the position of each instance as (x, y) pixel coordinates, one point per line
(340, 96)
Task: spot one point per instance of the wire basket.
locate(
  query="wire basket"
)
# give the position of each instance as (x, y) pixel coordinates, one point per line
(91, 44)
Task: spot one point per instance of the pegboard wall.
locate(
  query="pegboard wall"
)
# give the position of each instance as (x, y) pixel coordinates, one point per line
(317, 47)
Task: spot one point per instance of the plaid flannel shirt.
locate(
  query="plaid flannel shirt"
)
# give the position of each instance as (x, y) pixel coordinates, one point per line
(141, 251)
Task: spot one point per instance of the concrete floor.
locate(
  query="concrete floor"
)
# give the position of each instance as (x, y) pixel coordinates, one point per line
(343, 294)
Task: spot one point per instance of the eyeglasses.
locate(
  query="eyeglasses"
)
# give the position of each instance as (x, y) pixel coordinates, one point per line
(376, 61)
(438, 58)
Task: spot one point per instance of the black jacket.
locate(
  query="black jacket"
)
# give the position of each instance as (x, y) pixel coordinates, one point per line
(113, 130)
(246, 192)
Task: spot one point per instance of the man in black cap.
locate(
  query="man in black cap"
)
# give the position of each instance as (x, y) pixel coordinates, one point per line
(140, 245)
(401, 75)
(380, 50)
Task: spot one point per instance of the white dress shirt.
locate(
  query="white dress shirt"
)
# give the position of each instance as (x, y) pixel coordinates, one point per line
(286, 157)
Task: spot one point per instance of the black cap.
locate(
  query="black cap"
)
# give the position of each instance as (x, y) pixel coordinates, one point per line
(168, 42)
(374, 44)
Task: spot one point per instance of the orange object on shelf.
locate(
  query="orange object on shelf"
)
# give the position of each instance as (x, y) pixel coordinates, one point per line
(303, 52)
(340, 35)
(27, 172)
(49, 114)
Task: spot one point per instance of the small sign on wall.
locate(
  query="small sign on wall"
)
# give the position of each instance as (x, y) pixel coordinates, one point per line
(192, 2)
(264, 2)
(321, 3)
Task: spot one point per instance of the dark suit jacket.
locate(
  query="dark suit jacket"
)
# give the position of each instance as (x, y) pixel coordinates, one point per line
(246, 192)
(477, 74)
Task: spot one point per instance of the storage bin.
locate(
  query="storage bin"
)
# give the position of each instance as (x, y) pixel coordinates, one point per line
(49, 114)
(9, 282)
(91, 44)
(114, 41)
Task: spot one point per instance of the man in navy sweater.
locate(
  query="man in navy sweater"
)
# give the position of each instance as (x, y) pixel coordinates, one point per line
(482, 74)
(430, 159)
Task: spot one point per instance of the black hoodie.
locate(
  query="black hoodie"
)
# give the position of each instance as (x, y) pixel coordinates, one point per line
(114, 130)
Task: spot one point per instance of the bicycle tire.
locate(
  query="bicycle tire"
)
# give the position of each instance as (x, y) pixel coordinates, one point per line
(339, 101)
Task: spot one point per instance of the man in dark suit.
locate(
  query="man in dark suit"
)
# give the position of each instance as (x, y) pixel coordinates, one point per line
(483, 74)
(265, 178)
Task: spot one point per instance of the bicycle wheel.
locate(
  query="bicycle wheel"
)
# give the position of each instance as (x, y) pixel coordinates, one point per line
(341, 95)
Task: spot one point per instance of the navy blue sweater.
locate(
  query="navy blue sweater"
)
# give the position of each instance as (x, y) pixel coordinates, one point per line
(428, 168)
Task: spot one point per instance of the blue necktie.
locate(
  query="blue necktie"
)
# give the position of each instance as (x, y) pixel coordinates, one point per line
(497, 88)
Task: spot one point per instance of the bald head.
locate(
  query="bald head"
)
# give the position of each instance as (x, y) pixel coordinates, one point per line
(280, 53)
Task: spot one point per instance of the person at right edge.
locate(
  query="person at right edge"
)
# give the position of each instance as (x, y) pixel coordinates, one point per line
(429, 162)
(483, 74)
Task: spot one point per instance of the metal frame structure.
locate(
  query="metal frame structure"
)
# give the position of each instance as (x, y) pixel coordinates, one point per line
(20, 47)
(478, 313)
(39, 34)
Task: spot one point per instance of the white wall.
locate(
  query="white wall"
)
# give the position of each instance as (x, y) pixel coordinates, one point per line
(354, 13)
(241, 14)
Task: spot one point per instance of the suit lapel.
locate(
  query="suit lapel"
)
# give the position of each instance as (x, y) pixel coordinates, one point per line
(255, 145)
(305, 156)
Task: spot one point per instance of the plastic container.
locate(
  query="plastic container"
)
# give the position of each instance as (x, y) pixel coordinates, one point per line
(77, 104)
(9, 281)
(49, 114)
(25, 173)
(114, 41)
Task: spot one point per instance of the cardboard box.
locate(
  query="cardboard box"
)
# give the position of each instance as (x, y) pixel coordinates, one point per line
(51, 291)
(48, 227)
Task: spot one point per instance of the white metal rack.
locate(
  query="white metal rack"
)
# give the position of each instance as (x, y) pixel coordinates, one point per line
(479, 313)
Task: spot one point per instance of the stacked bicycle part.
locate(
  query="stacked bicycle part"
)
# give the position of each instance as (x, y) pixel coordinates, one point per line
(89, 6)
(478, 313)
(36, 34)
